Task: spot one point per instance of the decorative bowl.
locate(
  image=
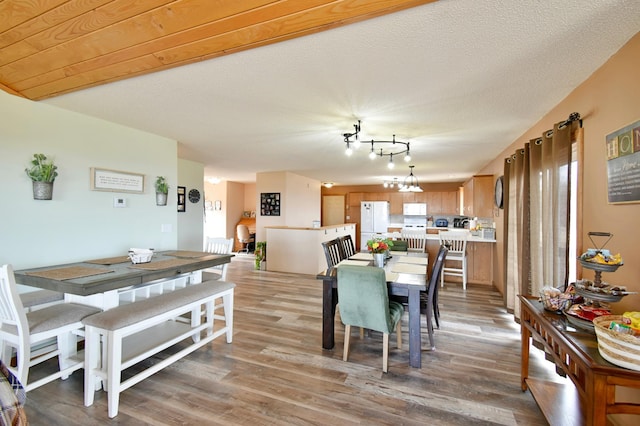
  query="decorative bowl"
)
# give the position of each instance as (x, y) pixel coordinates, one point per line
(138, 255)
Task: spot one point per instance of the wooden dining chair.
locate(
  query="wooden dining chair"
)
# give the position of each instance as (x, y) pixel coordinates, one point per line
(364, 302)
(217, 246)
(21, 331)
(348, 248)
(333, 252)
(456, 242)
(429, 301)
(416, 240)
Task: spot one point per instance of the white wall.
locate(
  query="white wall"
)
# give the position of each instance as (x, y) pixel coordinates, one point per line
(215, 223)
(191, 221)
(299, 201)
(78, 224)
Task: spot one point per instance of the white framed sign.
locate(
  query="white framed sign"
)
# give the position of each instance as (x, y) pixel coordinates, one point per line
(116, 181)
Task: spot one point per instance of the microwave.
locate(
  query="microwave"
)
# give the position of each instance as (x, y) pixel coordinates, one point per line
(414, 209)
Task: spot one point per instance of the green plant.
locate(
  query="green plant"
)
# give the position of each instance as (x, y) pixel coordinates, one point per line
(260, 253)
(42, 170)
(161, 185)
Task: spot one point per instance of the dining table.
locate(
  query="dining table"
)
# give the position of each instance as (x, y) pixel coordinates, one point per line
(98, 282)
(406, 274)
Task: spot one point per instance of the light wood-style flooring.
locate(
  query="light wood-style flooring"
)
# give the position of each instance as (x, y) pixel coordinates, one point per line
(276, 373)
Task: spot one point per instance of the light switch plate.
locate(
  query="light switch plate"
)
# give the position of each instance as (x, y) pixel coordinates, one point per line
(119, 202)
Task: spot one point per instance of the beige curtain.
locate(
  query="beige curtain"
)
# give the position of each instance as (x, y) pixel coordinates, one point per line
(537, 190)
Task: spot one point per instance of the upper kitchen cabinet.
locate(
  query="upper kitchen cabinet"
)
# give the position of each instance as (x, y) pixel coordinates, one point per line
(395, 202)
(434, 202)
(450, 202)
(477, 194)
(355, 198)
(442, 202)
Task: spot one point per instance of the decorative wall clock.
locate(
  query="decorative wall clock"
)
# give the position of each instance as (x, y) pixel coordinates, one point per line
(499, 192)
(194, 195)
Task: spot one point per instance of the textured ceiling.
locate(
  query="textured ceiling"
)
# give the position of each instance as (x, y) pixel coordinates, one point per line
(459, 79)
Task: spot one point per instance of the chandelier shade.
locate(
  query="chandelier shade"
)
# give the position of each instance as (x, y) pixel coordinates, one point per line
(410, 183)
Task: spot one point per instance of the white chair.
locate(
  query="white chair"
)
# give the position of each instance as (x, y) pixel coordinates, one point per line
(416, 240)
(217, 246)
(244, 237)
(456, 242)
(22, 331)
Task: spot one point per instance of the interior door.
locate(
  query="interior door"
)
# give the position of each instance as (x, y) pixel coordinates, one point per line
(332, 210)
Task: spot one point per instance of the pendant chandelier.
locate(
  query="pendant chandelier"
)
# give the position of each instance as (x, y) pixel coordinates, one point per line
(410, 183)
(378, 148)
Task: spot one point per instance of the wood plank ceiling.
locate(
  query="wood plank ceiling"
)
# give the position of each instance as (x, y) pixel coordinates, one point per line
(51, 47)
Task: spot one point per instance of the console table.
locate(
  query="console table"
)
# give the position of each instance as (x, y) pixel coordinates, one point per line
(593, 396)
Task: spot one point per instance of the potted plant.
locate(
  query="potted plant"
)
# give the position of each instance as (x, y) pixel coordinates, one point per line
(261, 254)
(162, 189)
(379, 247)
(42, 174)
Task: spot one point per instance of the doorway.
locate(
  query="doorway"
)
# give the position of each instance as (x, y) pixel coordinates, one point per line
(332, 210)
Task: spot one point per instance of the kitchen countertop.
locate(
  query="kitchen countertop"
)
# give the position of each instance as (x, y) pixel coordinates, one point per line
(432, 237)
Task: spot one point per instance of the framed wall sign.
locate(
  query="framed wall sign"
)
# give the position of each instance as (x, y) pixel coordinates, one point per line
(623, 164)
(182, 199)
(116, 181)
(270, 204)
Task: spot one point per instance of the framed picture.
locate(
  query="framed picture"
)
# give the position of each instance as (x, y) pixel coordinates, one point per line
(116, 181)
(270, 204)
(217, 205)
(246, 214)
(253, 213)
(182, 199)
(623, 164)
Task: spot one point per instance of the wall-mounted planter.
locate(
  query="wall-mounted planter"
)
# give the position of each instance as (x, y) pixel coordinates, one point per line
(161, 199)
(42, 190)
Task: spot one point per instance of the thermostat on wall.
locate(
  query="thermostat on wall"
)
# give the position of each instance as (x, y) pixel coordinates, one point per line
(119, 202)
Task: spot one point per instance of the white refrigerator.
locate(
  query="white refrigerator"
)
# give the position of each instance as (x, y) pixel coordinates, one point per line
(374, 219)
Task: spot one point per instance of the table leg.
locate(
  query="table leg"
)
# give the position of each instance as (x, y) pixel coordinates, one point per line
(329, 302)
(415, 345)
(524, 352)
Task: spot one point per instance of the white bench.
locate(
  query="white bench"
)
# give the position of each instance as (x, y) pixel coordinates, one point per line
(133, 332)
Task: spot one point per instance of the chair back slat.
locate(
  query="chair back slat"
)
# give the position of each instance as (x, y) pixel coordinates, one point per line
(416, 240)
(219, 246)
(455, 241)
(333, 252)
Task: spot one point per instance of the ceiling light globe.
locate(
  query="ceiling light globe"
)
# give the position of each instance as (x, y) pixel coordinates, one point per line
(348, 151)
(407, 158)
(372, 155)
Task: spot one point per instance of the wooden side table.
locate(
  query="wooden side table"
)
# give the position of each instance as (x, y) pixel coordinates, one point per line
(595, 379)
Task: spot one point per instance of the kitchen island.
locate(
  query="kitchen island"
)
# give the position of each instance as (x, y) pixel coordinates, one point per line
(479, 254)
(299, 249)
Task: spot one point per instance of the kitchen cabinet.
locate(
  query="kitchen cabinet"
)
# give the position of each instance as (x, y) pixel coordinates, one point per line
(442, 202)
(395, 203)
(478, 196)
(355, 198)
(480, 263)
(450, 202)
(434, 203)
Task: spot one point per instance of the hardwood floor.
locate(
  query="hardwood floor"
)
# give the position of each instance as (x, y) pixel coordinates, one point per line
(276, 373)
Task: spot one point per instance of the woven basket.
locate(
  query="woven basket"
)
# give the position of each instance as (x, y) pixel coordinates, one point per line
(618, 348)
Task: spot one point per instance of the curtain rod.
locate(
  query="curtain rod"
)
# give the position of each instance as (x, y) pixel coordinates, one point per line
(574, 116)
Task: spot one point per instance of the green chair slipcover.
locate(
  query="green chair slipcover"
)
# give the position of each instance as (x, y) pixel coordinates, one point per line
(364, 302)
